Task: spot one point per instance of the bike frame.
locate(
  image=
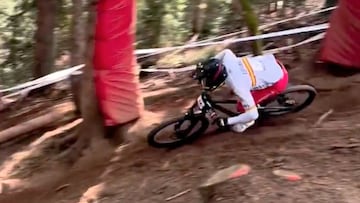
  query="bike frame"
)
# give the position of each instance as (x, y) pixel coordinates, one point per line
(209, 104)
(216, 105)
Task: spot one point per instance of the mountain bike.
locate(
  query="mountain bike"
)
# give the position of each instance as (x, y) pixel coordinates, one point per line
(204, 110)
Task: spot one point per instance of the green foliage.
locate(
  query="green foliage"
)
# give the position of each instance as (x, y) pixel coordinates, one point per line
(18, 52)
(252, 24)
(63, 30)
(17, 40)
(159, 23)
(175, 23)
(168, 22)
(152, 15)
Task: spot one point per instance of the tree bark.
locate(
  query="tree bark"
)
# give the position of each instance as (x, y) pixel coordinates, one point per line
(199, 8)
(44, 37)
(75, 81)
(330, 3)
(78, 34)
(282, 12)
(252, 23)
(89, 105)
(327, 4)
(57, 114)
(153, 21)
(93, 124)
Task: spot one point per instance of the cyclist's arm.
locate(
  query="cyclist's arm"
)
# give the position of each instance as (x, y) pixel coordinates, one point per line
(251, 112)
(240, 87)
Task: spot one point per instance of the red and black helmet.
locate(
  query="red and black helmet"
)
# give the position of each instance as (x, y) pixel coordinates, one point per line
(210, 73)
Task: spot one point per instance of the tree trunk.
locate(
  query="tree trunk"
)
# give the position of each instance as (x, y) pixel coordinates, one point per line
(327, 4)
(282, 12)
(252, 23)
(154, 18)
(269, 6)
(78, 34)
(44, 37)
(237, 6)
(93, 124)
(330, 3)
(58, 114)
(199, 8)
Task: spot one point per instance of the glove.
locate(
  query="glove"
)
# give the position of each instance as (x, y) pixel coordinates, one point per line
(221, 122)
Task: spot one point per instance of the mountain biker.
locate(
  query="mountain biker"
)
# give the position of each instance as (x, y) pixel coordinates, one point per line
(252, 79)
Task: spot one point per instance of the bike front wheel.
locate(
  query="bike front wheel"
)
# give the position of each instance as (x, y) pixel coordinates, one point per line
(181, 131)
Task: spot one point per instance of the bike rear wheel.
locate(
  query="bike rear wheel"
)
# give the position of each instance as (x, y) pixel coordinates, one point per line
(180, 134)
(284, 107)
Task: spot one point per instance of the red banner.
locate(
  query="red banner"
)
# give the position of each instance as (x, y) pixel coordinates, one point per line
(116, 74)
(342, 41)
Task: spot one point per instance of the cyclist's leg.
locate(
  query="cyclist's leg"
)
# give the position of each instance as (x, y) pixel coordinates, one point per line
(263, 94)
(259, 96)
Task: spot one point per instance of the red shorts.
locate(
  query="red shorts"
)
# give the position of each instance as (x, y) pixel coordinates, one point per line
(262, 94)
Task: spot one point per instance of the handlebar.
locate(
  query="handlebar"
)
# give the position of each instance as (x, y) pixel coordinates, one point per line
(212, 104)
(206, 97)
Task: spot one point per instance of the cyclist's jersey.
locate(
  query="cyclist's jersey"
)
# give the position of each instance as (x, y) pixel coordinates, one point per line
(246, 74)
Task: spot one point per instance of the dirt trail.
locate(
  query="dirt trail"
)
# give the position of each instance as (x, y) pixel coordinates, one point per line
(326, 157)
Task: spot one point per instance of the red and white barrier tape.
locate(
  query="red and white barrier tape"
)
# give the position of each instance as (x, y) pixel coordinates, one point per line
(156, 51)
(64, 74)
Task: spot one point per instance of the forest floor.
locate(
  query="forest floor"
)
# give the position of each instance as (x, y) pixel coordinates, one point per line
(326, 156)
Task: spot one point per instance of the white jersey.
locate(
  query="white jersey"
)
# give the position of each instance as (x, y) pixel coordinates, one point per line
(246, 74)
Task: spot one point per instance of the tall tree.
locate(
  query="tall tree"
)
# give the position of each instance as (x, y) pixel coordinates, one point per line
(92, 126)
(77, 33)
(154, 14)
(92, 129)
(251, 21)
(198, 16)
(17, 38)
(330, 3)
(44, 37)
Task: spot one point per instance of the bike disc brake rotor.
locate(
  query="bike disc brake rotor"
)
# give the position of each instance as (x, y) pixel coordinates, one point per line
(286, 101)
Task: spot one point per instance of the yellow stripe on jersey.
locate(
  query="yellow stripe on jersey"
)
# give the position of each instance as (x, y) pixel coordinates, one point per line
(249, 70)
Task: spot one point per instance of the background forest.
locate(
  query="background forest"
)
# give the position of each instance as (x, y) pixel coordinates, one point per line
(40, 36)
(53, 151)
